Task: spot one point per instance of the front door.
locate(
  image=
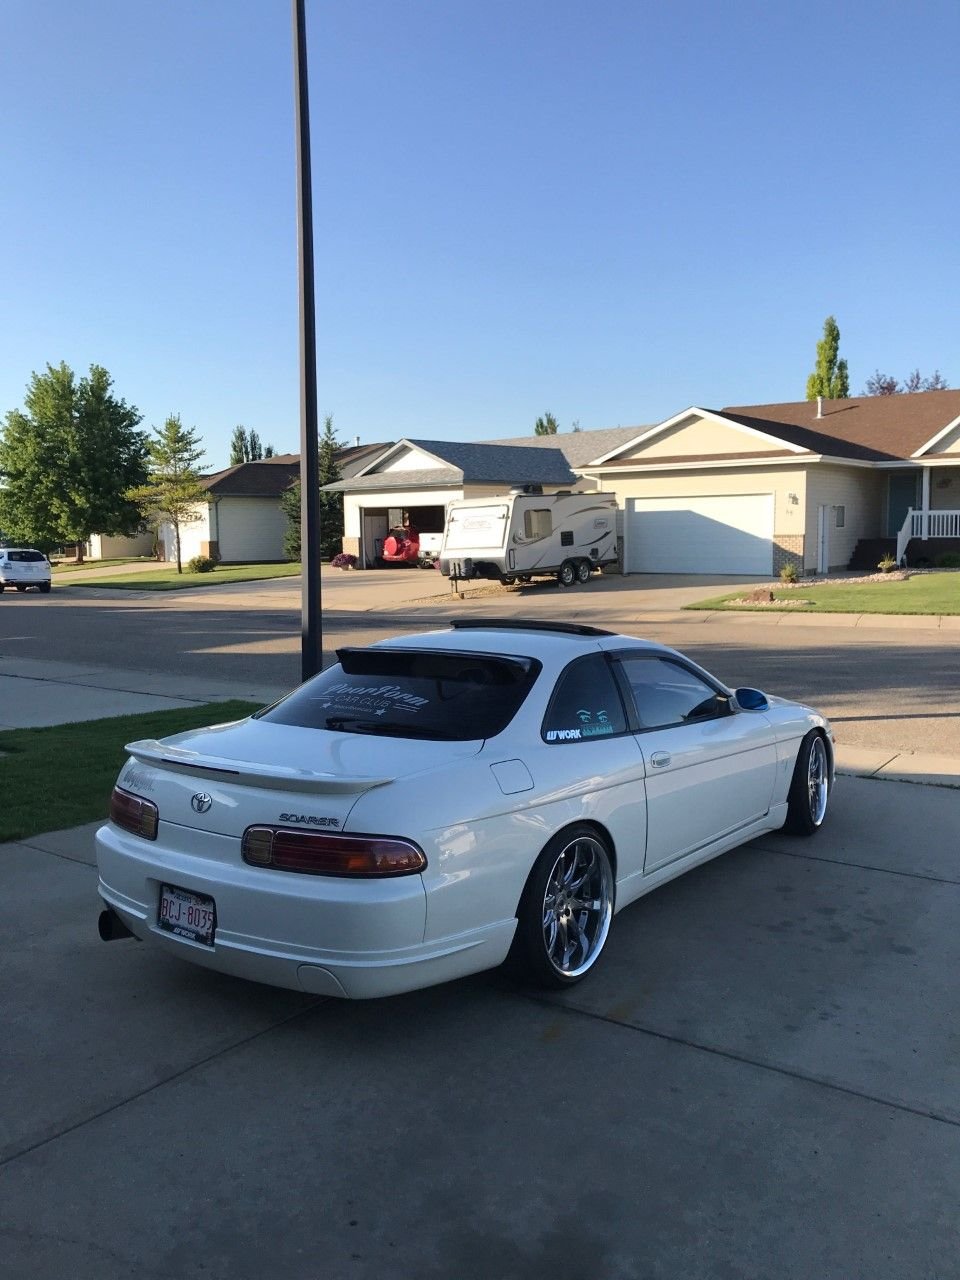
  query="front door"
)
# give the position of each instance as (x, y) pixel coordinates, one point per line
(902, 494)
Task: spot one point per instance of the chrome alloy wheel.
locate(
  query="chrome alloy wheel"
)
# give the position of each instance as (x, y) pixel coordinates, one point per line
(577, 907)
(817, 781)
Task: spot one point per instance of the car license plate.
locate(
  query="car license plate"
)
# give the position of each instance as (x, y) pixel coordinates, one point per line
(188, 915)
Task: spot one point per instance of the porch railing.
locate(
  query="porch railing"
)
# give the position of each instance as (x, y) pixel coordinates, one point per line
(927, 524)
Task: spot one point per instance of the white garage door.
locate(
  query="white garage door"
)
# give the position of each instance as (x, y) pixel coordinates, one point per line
(700, 535)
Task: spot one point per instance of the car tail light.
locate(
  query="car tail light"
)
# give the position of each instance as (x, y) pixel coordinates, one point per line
(315, 853)
(135, 814)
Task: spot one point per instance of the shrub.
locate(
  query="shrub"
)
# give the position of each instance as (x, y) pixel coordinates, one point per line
(887, 564)
(344, 560)
(949, 561)
(789, 573)
(201, 564)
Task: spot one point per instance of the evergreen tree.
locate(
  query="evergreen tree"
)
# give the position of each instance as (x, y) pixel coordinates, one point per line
(830, 378)
(546, 426)
(331, 504)
(69, 459)
(290, 506)
(172, 490)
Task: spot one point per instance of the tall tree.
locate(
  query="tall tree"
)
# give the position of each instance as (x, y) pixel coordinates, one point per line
(68, 460)
(172, 491)
(546, 426)
(239, 446)
(830, 378)
(246, 446)
(331, 504)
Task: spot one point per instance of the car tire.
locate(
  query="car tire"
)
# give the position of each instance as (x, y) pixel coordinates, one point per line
(507, 579)
(809, 788)
(565, 912)
(584, 570)
(45, 588)
(567, 574)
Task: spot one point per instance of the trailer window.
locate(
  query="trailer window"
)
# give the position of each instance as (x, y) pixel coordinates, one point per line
(537, 522)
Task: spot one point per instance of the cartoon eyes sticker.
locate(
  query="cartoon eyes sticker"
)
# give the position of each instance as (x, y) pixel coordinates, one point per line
(585, 716)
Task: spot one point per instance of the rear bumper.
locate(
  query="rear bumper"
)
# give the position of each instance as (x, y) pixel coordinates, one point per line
(328, 936)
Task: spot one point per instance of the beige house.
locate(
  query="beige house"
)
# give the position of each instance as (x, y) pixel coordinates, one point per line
(748, 489)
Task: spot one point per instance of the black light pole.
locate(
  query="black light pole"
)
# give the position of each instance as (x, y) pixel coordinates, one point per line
(311, 645)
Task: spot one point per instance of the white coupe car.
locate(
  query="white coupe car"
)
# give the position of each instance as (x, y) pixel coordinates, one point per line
(435, 803)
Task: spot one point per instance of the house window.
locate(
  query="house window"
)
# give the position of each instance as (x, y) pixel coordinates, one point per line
(841, 516)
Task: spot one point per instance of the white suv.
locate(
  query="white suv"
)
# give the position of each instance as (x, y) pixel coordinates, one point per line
(22, 567)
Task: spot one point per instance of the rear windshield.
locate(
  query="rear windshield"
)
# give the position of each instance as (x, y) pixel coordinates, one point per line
(26, 557)
(407, 693)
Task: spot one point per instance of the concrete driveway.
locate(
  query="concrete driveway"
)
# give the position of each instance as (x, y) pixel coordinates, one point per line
(762, 1080)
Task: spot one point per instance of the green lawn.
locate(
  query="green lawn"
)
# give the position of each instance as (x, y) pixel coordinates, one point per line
(71, 566)
(936, 593)
(74, 766)
(170, 580)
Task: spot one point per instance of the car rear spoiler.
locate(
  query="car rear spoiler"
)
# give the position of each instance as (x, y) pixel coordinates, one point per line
(276, 777)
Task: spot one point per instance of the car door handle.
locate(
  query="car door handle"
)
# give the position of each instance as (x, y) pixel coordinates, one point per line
(660, 759)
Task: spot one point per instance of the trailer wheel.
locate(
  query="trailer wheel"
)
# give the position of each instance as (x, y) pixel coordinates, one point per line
(567, 574)
(584, 570)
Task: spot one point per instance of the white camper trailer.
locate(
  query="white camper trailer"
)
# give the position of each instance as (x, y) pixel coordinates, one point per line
(524, 535)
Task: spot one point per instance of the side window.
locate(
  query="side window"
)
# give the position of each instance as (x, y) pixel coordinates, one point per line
(537, 522)
(668, 693)
(585, 704)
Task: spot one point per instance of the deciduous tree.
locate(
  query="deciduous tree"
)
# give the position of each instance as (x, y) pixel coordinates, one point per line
(884, 384)
(830, 378)
(172, 491)
(245, 446)
(68, 459)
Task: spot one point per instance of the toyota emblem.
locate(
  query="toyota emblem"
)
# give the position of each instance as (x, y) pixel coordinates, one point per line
(201, 802)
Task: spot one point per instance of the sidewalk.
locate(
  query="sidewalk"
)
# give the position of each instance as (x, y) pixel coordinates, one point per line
(34, 693)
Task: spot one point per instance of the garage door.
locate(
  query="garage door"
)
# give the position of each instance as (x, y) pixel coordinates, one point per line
(700, 535)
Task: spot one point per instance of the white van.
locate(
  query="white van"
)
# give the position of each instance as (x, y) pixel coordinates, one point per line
(524, 535)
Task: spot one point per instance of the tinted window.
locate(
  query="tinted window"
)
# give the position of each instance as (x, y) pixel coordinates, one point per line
(668, 693)
(585, 704)
(26, 557)
(411, 693)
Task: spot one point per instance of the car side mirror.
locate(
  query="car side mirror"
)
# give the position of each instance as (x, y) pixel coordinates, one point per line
(751, 700)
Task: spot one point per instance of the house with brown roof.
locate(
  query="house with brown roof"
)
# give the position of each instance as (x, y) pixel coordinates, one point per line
(750, 488)
(241, 520)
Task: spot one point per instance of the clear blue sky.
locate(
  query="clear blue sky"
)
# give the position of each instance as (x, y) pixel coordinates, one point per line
(609, 210)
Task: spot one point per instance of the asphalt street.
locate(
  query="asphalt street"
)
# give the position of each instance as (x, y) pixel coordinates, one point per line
(894, 686)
